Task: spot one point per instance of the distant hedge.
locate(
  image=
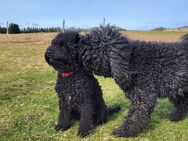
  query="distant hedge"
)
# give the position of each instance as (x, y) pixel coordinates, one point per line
(35, 29)
(14, 28)
(159, 29)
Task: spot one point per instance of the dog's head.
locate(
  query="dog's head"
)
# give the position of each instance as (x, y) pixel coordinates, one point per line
(62, 53)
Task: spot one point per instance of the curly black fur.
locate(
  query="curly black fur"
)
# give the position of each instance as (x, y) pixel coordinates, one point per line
(80, 96)
(144, 70)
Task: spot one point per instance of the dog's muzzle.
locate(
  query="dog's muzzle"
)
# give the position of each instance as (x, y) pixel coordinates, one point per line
(48, 54)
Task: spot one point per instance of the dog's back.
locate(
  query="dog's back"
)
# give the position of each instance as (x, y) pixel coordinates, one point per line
(163, 65)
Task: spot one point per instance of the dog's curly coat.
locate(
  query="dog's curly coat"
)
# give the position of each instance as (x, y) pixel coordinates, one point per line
(80, 96)
(144, 70)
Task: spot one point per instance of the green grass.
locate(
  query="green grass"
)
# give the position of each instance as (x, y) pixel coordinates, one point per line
(29, 109)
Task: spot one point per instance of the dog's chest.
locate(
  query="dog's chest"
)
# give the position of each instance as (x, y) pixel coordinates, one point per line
(70, 91)
(73, 100)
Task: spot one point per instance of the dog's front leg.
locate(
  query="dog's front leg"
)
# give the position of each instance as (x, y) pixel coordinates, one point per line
(64, 119)
(142, 105)
(87, 118)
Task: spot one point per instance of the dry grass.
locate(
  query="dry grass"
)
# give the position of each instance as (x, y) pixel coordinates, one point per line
(164, 36)
(39, 38)
(45, 38)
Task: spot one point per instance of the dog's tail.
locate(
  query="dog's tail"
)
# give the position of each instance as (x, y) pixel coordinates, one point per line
(185, 37)
(113, 109)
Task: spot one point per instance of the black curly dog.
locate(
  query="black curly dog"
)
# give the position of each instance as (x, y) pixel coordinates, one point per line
(144, 70)
(80, 96)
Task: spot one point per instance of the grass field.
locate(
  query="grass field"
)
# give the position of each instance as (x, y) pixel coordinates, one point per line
(28, 102)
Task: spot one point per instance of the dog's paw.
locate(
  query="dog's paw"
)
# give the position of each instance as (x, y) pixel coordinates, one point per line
(176, 116)
(119, 132)
(124, 132)
(83, 133)
(59, 127)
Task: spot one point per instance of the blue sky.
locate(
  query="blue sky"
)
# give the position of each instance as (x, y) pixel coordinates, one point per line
(130, 14)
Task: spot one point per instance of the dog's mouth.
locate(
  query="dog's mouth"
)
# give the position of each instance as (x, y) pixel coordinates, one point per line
(60, 65)
(51, 60)
(55, 63)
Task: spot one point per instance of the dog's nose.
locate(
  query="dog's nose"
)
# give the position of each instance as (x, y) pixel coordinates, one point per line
(49, 52)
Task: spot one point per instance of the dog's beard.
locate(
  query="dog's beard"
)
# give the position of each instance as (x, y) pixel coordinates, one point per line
(60, 65)
(56, 64)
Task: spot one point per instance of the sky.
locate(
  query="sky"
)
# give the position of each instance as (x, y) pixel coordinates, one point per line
(129, 14)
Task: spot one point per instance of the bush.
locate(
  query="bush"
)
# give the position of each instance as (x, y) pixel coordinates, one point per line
(3, 30)
(159, 29)
(14, 28)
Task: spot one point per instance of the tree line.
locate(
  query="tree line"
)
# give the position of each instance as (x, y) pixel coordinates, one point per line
(14, 28)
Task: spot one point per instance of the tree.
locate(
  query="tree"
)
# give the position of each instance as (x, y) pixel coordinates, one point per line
(14, 28)
(2, 29)
(159, 29)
